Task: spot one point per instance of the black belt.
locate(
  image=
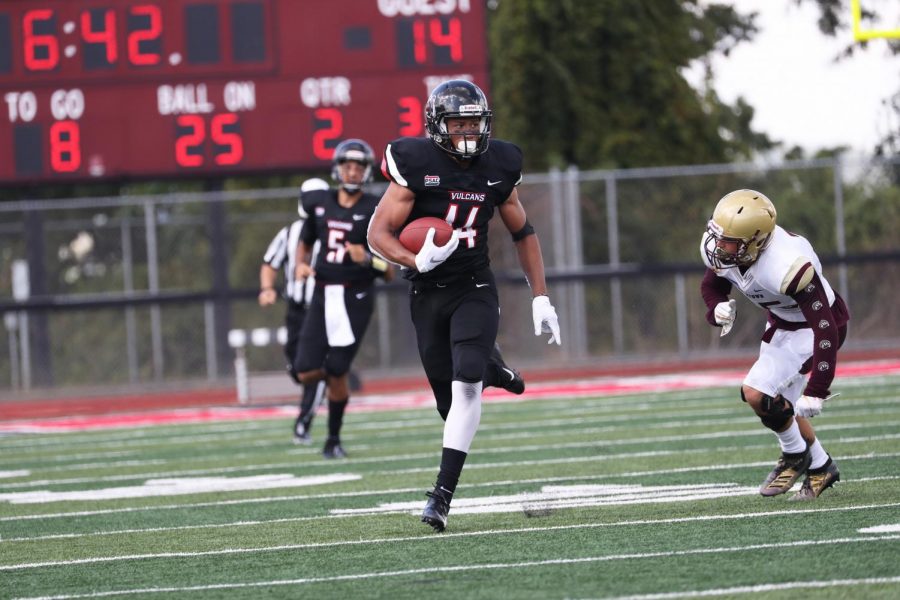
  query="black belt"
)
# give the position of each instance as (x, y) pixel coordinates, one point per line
(421, 284)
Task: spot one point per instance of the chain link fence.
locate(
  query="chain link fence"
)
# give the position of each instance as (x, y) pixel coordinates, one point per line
(141, 291)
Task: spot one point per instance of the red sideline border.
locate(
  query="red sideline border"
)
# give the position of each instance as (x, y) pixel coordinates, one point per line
(45, 408)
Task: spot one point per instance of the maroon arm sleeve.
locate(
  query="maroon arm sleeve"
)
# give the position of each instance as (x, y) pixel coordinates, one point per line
(714, 289)
(814, 304)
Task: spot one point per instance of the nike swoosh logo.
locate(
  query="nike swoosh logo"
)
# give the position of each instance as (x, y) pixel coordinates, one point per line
(510, 373)
(441, 285)
(481, 285)
(361, 295)
(490, 183)
(359, 217)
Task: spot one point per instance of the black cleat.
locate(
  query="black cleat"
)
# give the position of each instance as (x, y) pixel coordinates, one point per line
(436, 509)
(818, 480)
(333, 449)
(508, 379)
(788, 469)
(301, 433)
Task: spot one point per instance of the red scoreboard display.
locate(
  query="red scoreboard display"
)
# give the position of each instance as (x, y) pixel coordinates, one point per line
(152, 88)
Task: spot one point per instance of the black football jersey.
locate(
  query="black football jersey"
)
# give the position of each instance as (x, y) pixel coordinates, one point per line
(333, 225)
(463, 196)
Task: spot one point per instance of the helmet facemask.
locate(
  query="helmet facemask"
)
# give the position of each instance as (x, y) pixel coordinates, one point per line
(719, 251)
(471, 144)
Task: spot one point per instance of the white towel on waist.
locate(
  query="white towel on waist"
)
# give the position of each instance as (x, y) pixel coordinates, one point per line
(337, 321)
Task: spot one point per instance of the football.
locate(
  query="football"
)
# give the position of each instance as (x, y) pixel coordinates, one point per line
(413, 235)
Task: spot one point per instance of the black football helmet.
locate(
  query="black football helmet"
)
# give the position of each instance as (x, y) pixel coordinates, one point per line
(355, 150)
(458, 98)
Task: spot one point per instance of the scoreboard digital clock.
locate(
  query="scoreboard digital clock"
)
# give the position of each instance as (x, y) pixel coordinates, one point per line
(154, 88)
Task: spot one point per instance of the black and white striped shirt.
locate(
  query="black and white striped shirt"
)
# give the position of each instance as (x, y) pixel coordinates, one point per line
(282, 252)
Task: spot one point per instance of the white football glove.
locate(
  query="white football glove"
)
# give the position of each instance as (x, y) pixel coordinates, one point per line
(545, 320)
(724, 314)
(810, 406)
(430, 256)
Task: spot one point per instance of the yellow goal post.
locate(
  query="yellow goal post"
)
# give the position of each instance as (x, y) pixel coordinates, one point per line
(860, 34)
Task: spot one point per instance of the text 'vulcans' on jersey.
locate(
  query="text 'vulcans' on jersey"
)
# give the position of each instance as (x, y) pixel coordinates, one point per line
(468, 196)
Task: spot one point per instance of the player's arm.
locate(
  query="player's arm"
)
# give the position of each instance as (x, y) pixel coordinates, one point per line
(390, 215)
(267, 277)
(303, 260)
(303, 257)
(807, 290)
(360, 254)
(528, 245)
(715, 291)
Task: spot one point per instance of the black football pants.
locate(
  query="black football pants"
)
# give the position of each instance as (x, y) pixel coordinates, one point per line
(456, 327)
(313, 350)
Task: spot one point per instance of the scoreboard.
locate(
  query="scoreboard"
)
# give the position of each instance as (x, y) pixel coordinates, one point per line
(95, 89)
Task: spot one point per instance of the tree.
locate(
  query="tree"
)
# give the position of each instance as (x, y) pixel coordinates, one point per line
(601, 83)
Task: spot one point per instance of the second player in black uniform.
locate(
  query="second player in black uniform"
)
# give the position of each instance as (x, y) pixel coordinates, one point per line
(460, 176)
(282, 253)
(345, 271)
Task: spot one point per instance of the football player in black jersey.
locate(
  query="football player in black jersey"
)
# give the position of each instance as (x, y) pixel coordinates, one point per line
(282, 253)
(459, 175)
(345, 271)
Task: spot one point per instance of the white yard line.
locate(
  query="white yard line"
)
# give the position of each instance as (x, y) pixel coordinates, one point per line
(768, 587)
(268, 467)
(150, 435)
(433, 570)
(629, 474)
(725, 517)
(508, 428)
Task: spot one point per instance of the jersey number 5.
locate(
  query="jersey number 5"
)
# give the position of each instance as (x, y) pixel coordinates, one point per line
(336, 249)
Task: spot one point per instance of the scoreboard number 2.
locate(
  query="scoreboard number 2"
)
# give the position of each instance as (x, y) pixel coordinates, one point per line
(328, 125)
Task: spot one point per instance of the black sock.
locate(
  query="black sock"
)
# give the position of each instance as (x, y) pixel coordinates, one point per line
(307, 400)
(452, 462)
(336, 417)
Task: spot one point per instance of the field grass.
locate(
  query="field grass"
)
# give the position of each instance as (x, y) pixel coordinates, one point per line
(640, 496)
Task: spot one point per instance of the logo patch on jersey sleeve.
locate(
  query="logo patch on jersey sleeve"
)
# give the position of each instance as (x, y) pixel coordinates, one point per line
(432, 180)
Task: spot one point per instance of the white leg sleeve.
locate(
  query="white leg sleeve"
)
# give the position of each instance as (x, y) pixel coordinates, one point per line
(465, 414)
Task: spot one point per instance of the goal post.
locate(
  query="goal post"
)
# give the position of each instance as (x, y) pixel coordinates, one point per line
(862, 35)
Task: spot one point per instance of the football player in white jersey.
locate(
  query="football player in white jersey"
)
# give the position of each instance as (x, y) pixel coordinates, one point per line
(807, 322)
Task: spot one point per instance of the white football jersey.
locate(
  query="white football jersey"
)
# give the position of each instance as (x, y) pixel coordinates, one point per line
(765, 281)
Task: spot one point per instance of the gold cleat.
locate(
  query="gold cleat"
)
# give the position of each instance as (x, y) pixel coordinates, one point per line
(787, 471)
(818, 480)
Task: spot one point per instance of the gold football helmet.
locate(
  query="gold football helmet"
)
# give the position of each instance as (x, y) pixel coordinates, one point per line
(740, 228)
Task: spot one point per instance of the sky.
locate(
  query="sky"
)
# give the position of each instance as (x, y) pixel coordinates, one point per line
(799, 94)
